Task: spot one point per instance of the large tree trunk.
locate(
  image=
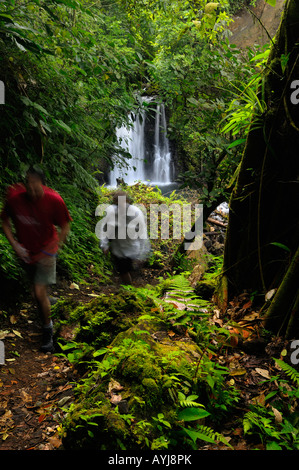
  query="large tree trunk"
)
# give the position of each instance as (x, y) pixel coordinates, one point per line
(284, 310)
(264, 203)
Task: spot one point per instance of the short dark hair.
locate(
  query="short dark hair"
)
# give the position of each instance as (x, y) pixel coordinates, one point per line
(118, 194)
(37, 172)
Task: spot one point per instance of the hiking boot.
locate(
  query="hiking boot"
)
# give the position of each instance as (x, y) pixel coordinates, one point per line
(47, 340)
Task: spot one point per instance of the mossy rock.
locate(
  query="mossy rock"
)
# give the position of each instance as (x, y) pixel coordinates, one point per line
(151, 367)
(150, 373)
(95, 428)
(100, 320)
(63, 309)
(205, 288)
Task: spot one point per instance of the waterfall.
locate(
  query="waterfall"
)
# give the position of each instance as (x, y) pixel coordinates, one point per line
(131, 139)
(146, 140)
(162, 160)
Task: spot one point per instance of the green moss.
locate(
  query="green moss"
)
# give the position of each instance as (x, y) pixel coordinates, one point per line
(101, 319)
(151, 368)
(205, 289)
(63, 308)
(98, 428)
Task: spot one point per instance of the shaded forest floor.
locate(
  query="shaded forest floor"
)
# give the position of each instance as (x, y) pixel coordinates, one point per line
(34, 387)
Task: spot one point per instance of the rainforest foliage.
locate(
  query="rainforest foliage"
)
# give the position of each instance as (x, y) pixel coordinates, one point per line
(74, 70)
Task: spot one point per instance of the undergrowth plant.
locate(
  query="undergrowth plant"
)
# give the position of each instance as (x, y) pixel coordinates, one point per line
(171, 400)
(276, 424)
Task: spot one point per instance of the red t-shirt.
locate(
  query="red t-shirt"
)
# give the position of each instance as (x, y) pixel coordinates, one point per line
(35, 221)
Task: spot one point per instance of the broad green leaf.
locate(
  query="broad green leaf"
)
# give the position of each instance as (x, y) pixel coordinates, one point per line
(273, 446)
(192, 414)
(271, 2)
(62, 125)
(281, 245)
(99, 352)
(5, 17)
(236, 143)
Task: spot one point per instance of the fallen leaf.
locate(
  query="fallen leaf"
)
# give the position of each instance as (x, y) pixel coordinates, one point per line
(242, 445)
(270, 294)
(50, 430)
(115, 399)
(55, 442)
(277, 415)
(234, 341)
(6, 419)
(251, 316)
(247, 305)
(63, 401)
(262, 372)
(41, 418)
(17, 333)
(13, 319)
(74, 286)
(259, 400)
(3, 334)
(114, 386)
(234, 372)
(238, 432)
(26, 397)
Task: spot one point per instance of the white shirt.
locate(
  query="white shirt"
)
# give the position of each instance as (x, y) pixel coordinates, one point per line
(124, 230)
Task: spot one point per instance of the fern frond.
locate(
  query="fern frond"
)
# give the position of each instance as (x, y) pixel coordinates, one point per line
(265, 424)
(186, 403)
(179, 288)
(289, 370)
(204, 433)
(180, 283)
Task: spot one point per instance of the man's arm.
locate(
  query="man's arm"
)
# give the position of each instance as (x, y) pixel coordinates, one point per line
(63, 233)
(19, 249)
(8, 232)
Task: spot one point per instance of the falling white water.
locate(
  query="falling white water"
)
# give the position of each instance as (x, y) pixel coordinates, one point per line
(162, 160)
(131, 139)
(158, 167)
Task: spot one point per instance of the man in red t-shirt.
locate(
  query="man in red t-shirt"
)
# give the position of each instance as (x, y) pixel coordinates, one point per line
(35, 210)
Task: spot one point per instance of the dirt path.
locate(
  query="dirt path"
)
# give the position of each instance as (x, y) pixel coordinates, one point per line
(35, 387)
(32, 386)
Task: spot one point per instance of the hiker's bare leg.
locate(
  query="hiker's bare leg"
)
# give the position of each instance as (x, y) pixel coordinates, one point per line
(41, 296)
(126, 278)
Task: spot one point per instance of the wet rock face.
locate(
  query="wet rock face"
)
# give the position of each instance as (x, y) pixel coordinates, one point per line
(256, 27)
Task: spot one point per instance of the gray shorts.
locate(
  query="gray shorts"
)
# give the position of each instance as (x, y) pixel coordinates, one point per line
(43, 271)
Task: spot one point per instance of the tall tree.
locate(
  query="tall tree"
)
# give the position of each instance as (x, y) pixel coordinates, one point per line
(261, 250)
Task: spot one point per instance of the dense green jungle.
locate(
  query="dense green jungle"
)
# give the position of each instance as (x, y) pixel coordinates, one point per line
(200, 351)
